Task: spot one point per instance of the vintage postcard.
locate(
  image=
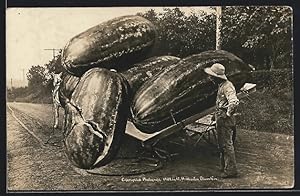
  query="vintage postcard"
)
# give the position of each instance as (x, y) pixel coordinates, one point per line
(149, 98)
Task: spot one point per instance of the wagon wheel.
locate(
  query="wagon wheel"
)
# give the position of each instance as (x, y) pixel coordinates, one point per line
(211, 137)
(213, 140)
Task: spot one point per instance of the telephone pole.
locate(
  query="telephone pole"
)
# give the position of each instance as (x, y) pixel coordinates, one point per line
(23, 75)
(53, 50)
(218, 27)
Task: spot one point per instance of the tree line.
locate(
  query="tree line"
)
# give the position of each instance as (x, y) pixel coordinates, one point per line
(260, 35)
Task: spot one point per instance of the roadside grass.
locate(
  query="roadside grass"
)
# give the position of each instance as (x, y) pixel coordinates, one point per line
(271, 108)
(38, 96)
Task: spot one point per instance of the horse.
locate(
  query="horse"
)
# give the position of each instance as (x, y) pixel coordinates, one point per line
(55, 97)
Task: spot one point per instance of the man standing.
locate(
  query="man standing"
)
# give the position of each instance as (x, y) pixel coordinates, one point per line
(226, 104)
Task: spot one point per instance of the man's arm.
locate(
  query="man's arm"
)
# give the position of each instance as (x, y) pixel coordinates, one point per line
(233, 101)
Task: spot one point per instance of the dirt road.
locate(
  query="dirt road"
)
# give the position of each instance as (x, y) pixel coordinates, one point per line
(265, 161)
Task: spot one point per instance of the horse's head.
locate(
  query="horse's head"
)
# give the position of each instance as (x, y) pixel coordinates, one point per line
(56, 79)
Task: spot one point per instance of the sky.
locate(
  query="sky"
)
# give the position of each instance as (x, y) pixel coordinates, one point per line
(29, 31)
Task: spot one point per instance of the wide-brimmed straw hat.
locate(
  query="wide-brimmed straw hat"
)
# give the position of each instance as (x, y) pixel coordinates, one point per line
(216, 70)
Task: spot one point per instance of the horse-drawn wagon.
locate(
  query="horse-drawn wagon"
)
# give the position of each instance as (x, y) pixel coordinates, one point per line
(199, 125)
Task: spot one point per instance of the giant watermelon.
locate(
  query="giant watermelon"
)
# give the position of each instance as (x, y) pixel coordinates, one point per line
(96, 118)
(184, 89)
(117, 43)
(140, 72)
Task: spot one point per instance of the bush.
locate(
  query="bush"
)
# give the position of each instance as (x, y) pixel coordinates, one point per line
(35, 96)
(277, 79)
(270, 109)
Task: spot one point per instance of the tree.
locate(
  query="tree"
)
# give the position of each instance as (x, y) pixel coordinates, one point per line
(260, 35)
(36, 77)
(180, 34)
(54, 65)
